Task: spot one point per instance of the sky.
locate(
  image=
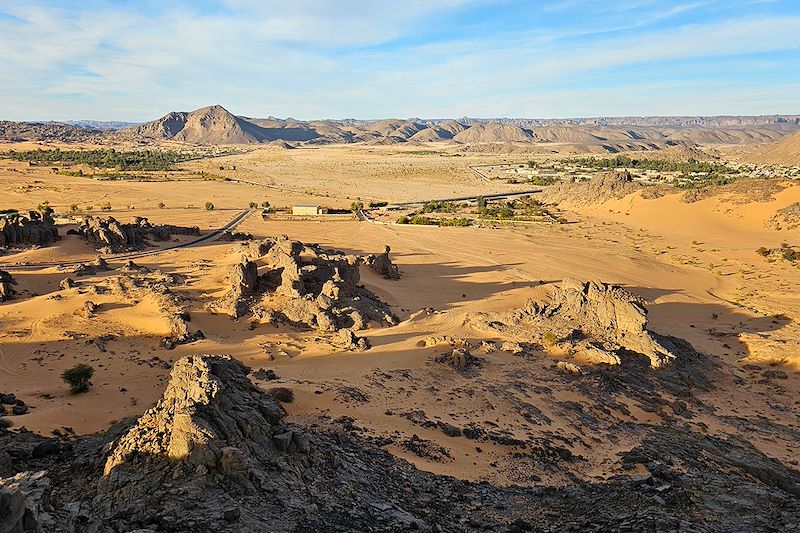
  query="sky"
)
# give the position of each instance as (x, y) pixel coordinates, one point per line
(135, 60)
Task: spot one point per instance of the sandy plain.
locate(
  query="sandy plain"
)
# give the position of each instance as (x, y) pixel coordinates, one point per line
(694, 263)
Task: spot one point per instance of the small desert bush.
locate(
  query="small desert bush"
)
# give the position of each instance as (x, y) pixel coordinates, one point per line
(549, 338)
(78, 378)
(459, 221)
(209, 206)
(282, 394)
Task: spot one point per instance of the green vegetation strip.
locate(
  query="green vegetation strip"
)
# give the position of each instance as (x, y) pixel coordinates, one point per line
(110, 158)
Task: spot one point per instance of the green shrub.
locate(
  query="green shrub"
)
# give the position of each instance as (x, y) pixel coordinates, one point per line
(423, 221)
(549, 338)
(78, 378)
(459, 221)
(439, 207)
(209, 206)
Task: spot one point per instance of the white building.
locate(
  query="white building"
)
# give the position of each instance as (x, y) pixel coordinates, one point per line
(308, 210)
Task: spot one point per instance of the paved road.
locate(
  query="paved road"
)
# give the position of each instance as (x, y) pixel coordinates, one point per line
(470, 198)
(210, 236)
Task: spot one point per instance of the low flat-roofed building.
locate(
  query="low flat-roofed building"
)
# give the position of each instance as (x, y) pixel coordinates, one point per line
(308, 210)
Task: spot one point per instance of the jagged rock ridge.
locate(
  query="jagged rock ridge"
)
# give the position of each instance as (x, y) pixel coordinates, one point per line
(611, 313)
(208, 407)
(110, 236)
(593, 319)
(35, 229)
(304, 285)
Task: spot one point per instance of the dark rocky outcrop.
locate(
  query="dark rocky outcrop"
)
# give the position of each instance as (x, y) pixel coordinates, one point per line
(6, 286)
(22, 501)
(111, 236)
(216, 454)
(35, 229)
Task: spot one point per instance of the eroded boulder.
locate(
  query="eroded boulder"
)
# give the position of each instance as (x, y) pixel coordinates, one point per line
(7, 283)
(35, 229)
(382, 264)
(111, 236)
(304, 285)
(208, 406)
(610, 313)
(23, 501)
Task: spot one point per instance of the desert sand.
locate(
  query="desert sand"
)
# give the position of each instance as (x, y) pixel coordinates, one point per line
(694, 264)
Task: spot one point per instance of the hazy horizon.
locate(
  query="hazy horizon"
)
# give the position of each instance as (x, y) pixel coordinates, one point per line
(312, 60)
(416, 117)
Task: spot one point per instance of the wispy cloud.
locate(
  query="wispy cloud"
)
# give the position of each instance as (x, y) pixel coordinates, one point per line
(313, 58)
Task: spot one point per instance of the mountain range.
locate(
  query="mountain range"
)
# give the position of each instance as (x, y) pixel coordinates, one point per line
(215, 125)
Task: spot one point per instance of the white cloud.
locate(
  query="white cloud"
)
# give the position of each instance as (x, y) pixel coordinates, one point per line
(312, 58)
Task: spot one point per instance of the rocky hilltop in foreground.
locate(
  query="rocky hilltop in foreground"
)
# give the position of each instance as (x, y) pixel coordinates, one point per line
(216, 454)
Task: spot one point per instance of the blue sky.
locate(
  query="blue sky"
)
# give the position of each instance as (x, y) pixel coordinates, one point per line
(136, 60)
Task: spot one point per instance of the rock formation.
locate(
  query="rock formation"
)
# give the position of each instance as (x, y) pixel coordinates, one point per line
(304, 285)
(216, 454)
(22, 499)
(110, 236)
(243, 280)
(210, 415)
(348, 340)
(67, 283)
(610, 313)
(6, 289)
(595, 320)
(459, 358)
(382, 264)
(20, 231)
